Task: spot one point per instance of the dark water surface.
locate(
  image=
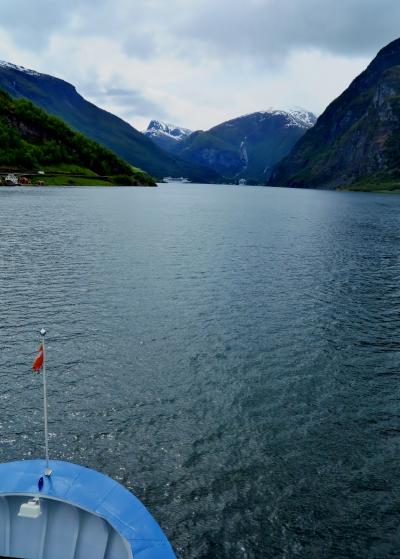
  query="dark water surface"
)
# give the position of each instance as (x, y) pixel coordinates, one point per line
(232, 355)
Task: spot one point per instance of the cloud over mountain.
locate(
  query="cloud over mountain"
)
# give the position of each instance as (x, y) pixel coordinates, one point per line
(185, 58)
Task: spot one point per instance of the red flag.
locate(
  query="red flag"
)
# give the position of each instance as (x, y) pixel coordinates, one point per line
(38, 363)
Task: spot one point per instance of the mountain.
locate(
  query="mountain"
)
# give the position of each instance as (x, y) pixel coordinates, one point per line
(166, 135)
(356, 142)
(30, 140)
(61, 99)
(248, 146)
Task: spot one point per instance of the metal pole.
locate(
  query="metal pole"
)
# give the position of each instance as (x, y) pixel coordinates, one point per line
(47, 471)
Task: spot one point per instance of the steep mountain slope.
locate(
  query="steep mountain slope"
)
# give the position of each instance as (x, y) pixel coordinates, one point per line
(356, 141)
(61, 99)
(248, 146)
(32, 139)
(166, 135)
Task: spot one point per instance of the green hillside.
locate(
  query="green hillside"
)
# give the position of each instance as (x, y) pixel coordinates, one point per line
(30, 139)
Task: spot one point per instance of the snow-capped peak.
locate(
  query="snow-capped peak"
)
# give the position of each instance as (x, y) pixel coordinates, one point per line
(4, 64)
(159, 128)
(296, 117)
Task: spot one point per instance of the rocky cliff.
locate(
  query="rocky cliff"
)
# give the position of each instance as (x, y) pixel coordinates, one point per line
(355, 143)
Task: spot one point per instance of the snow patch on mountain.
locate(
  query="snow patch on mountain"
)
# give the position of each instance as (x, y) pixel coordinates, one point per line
(4, 64)
(157, 128)
(296, 117)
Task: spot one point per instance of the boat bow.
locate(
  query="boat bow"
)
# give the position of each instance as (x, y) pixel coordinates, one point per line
(82, 514)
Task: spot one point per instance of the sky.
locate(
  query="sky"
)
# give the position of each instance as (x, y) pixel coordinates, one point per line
(197, 63)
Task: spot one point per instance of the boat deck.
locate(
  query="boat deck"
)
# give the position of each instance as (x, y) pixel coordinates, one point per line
(84, 515)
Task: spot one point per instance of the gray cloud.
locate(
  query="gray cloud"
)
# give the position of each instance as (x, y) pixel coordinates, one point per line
(267, 30)
(32, 22)
(207, 60)
(129, 102)
(270, 30)
(140, 44)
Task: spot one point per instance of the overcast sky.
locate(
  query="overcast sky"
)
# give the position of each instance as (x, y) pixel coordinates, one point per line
(198, 62)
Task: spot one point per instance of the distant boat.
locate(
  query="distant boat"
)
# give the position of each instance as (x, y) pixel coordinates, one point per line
(176, 179)
(11, 180)
(242, 182)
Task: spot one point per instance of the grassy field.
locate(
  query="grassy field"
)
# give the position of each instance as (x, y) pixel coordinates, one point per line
(375, 184)
(67, 180)
(69, 169)
(67, 174)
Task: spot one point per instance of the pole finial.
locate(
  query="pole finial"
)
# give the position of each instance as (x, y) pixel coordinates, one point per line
(42, 332)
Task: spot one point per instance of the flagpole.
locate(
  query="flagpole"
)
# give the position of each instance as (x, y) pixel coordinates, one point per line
(47, 471)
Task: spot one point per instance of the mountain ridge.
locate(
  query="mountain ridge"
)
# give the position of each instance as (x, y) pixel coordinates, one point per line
(60, 98)
(246, 146)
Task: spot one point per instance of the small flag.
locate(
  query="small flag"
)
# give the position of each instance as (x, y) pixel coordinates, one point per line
(38, 363)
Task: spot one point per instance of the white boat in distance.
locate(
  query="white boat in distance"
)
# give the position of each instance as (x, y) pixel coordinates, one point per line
(175, 179)
(11, 179)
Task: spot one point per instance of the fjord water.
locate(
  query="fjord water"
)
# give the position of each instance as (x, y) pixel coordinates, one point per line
(230, 354)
